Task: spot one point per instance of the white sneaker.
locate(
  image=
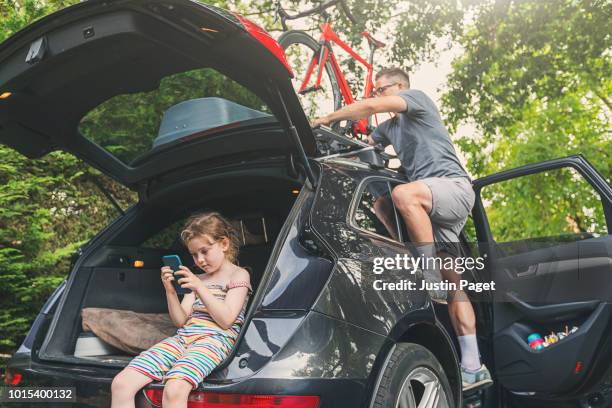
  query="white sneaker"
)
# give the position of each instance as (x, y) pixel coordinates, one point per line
(471, 379)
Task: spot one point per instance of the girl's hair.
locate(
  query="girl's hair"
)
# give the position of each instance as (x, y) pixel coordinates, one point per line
(216, 226)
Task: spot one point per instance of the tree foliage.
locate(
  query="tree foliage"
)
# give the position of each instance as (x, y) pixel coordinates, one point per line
(411, 31)
(535, 79)
(48, 208)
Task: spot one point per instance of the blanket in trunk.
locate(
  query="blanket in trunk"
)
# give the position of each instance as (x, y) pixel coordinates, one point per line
(127, 330)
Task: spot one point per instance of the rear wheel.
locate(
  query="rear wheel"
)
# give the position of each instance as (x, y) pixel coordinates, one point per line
(413, 378)
(300, 49)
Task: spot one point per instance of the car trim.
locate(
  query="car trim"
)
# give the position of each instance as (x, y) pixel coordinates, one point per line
(266, 40)
(262, 289)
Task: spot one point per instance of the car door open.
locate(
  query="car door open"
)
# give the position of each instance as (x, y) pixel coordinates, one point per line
(551, 258)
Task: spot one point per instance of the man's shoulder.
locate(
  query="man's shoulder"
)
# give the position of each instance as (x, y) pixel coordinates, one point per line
(418, 103)
(414, 93)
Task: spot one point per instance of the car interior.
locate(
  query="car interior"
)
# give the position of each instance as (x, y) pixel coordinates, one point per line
(123, 272)
(551, 307)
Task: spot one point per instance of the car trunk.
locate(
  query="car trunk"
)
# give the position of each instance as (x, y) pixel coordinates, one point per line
(105, 276)
(224, 131)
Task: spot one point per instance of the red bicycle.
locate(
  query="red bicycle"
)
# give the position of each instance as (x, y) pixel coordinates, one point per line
(330, 88)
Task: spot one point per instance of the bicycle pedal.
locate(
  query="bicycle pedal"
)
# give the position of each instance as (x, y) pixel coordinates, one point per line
(311, 89)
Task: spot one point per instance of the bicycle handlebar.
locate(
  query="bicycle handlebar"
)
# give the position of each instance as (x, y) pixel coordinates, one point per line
(315, 10)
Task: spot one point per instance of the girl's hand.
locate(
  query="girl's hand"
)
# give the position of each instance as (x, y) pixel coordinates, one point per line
(188, 280)
(167, 278)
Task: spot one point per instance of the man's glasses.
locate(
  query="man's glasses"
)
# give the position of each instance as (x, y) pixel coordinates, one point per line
(380, 90)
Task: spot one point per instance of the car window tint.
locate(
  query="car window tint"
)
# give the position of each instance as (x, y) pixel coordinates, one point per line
(250, 229)
(167, 238)
(130, 125)
(375, 212)
(554, 206)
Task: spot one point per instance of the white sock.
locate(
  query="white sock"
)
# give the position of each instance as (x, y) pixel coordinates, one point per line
(470, 358)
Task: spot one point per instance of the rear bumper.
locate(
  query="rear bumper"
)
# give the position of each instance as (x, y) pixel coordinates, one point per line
(313, 354)
(93, 385)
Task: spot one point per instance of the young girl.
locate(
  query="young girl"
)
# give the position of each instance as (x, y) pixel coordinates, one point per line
(209, 318)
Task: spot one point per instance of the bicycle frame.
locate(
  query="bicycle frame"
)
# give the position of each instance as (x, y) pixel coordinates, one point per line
(327, 37)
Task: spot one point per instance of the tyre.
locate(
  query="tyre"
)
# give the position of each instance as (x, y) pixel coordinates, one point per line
(300, 48)
(413, 378)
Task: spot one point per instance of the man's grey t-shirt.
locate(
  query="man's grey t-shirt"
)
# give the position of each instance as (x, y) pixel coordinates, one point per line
(420, 139)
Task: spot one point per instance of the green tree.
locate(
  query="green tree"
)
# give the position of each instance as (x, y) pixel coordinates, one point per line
(48, 208)
(410, 29)
(535, 78)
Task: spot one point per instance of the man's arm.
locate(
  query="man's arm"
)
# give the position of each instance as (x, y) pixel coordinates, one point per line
(363, 109)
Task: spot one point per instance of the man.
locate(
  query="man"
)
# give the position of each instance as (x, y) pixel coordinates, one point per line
(438, 198)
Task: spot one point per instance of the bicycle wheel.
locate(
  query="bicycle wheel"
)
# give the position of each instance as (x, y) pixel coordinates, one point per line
(300, 49)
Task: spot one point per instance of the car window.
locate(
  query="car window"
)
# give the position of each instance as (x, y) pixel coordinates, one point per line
(183, 104)
(527, 208)
(252, 229)
(375, 212)
(167, 238)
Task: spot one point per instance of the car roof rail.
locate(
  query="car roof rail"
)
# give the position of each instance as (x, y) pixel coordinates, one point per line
(333, 145)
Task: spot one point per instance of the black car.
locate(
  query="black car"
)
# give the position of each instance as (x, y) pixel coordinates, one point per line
(317, 332)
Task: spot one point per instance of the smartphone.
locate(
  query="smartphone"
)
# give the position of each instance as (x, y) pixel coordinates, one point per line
(174, 261)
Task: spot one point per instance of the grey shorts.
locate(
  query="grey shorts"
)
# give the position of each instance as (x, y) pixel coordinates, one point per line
(452, 202)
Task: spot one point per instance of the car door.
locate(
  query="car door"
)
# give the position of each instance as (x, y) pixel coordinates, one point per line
(545, 229)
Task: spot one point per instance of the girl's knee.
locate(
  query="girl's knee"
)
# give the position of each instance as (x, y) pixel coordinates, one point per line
(121, 383)
(176, 390)
(128, 382)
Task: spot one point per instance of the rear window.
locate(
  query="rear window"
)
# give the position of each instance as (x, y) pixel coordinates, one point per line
(252, 229)
(183, 105)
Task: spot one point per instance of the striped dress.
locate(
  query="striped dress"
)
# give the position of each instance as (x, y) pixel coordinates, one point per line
(196, 348)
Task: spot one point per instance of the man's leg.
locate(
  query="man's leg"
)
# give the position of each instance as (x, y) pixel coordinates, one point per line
(414, 201)
(462, 318)
(474, 374)
(383, 208)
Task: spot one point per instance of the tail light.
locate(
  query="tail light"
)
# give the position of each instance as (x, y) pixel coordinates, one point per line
(266, 40)
(201, 399)
(12, 378)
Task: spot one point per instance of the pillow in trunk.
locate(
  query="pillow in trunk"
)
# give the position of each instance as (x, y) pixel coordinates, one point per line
(127, 330)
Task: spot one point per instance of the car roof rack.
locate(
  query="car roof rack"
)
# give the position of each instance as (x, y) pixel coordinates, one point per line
(333, 145)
